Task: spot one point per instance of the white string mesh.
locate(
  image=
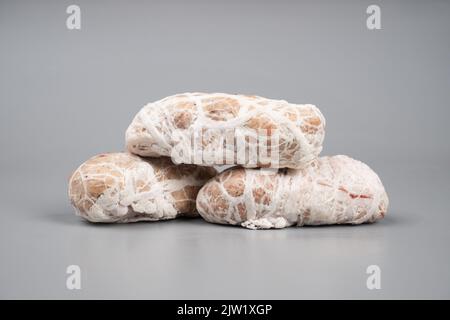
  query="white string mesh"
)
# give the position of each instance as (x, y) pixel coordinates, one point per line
(332, 190)
(120, 187)
(167, 125)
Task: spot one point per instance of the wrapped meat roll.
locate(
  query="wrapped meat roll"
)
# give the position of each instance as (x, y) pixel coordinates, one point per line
(215, 129)
(331, 190)
(120, 187)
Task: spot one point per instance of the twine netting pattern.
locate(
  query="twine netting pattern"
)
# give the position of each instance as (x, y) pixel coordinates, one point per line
(120, 187)
(331, 190)
(168, 127)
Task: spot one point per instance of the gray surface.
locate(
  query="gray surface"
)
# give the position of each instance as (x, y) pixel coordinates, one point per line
(67, 95)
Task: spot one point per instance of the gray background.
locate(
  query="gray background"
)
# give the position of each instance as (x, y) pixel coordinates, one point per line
(68, 95)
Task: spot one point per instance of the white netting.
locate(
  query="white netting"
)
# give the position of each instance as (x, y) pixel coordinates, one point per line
(332, 190)
(168, 127)
(119, 187)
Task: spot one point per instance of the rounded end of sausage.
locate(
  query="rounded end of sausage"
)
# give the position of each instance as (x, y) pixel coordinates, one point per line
(94, 187)
(140, 137)
(222, 199)
(360, 190)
